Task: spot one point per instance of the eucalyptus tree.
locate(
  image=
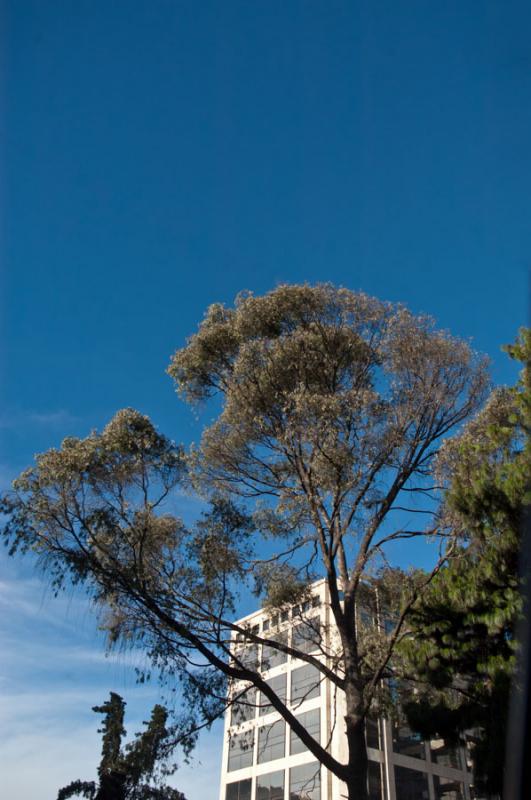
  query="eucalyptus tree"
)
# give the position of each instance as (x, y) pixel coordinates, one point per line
(332, 407)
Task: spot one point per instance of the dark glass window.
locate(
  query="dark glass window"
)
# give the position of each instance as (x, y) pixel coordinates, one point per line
(239, 790)
(248, 656)
(389, 625)
(279, 686)
(372, 732)
(245, 708)
(407, 742)
(271, 657)
(366, 618)
(304, 684)
(411, 784)
(271, 741)
(469, 744)
(375, 781)
(305, 782)
(445, 754)
(270, 786)
(305, 636)
(448, 789)
(241, 750)
(311, 720)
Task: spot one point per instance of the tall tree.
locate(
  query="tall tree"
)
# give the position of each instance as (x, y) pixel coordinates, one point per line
(333, 407)
(463, 642)
(125, 774)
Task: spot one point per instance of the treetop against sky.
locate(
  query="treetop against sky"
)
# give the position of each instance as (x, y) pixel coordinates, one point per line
(334, 406)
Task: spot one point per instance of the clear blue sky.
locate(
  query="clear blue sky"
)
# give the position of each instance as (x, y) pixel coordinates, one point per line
(159, 156)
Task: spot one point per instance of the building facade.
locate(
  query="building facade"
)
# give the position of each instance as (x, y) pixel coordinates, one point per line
(264, 760)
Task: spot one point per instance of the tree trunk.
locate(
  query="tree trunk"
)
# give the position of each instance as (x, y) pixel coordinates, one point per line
(112, 786)
(356, 778)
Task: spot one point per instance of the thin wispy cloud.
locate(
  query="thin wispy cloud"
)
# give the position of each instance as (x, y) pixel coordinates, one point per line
(55, 418)
(50, 756)
(48, 759)
(48, 655)
(33, 597)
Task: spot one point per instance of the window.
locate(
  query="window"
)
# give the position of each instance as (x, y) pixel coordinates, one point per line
(270, 786)
(311, 720)
(244, 708)
(389, 625)
(279, 686)
(284, 615)
(241, 750)
(316, 601)
(271, 657)
(374, 781)
(305, 782)
(447, 789)
(366, 618)
(411, 784)
(265, 625)
(445, 754)
(248, 656)
(271, 741)
(305, 636)
(407, 742)
(304, 684)
(239, 790)
(372, 732)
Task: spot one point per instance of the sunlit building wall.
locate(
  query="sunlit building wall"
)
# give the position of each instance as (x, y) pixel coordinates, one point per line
(264, 760)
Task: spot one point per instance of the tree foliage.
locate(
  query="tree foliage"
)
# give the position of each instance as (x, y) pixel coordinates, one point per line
(464, 642)
(126, 773)
(333, 408)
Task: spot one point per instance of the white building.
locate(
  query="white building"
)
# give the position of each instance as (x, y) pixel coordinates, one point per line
(263, 760)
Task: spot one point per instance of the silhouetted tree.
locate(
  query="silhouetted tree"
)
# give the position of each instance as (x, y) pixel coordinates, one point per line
(122, 774)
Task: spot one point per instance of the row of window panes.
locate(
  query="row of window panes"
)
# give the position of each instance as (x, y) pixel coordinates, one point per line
(304, 687)
(284, 616)
(408, 743)
(271, 741)
(305, 684)
(305, 637)
(304, 784)
(411, 784)
(245, 710)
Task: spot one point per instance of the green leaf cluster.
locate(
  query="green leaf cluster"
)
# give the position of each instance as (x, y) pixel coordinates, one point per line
(464, 642)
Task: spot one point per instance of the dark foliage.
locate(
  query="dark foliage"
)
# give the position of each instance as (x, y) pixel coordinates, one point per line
(125, 774)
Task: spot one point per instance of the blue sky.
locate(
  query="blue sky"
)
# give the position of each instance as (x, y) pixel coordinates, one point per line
(160, 156)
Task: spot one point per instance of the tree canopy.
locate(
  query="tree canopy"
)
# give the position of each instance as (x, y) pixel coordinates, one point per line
(333, 408)
(126, 774)
(464, 643)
